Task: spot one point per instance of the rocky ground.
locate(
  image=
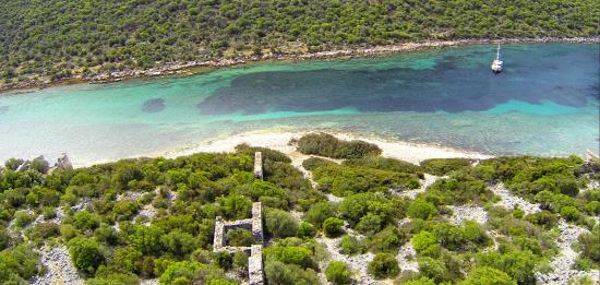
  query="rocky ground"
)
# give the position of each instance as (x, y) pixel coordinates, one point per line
(510, 201)
(406, 259)
(461, 214)
(563, 262)
(60, 268)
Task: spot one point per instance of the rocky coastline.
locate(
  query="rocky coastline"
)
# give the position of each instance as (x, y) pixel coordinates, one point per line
(173, 68)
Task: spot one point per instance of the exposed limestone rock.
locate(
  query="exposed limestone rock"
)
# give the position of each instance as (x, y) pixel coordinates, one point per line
(60, 268)
(462, 214)
(510, 201)
(406, 259)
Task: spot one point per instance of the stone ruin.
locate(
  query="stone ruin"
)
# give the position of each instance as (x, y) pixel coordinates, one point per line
(258, 165)
(63, 162)
(255, 225)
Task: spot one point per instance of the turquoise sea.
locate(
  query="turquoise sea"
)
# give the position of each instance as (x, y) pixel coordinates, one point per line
(546, 103)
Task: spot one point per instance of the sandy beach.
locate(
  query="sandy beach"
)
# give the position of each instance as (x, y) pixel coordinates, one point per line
(279, 140)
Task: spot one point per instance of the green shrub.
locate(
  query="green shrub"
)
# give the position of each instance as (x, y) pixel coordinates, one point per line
(443, 166)
(277, 272)
(350, 245)
(18, 264)
(327, 145)
(426, 243)
(421, 209)
(114, 278)
(519, 265)
(23, 218)
(239, 237)
(84, 220)
(85, 254)
(488, 276)
(570, 213)
(590, 247)
(319, 212)
(280, 224)
(383, 265)
(189, 272)
(333, 227)
(434, 269)
(389, 239)
(306, 230)
(338, 273)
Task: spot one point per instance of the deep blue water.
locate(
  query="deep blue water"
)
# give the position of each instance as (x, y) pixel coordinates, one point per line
(545, 102)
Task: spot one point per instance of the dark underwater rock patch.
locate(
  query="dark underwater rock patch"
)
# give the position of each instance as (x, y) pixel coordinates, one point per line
(154, 105)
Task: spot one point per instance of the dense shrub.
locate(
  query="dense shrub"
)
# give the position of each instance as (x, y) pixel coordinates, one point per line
(343, 180)
(327, 145)
(519, 265)
(280, 224)
(319, 212)
(421, 209)
(239, 237)
(488, 276)
(85, 254)
(306, 230)
(350, 245)
(443, 166)
(114, 278)
(384, 265)
(189, 272)
(590, 245)
(332, 227)
(338, 273)
(277, 272)
(18, 264)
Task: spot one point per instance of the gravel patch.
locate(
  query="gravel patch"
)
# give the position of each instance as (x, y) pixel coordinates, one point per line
(406, 259)
(149, 282)
(462, 214)
(60, 269)
(510, 201)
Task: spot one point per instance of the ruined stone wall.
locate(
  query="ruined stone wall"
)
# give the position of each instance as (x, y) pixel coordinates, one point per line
(254, 224)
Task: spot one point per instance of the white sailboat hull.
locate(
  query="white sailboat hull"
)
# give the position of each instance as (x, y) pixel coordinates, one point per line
(497, 66)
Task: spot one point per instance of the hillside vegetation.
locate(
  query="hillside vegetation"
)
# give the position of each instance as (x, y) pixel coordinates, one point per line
(59, 38)
(154, 218)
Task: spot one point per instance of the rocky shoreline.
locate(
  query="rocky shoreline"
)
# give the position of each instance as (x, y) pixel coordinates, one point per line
(186, 67)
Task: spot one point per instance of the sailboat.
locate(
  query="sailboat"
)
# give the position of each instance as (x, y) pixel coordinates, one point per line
(497, 63)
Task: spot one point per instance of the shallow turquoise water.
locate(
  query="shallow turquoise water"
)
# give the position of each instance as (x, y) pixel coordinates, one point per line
(546, 102)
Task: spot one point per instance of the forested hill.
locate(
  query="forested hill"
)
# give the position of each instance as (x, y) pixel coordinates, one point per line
(60, 37)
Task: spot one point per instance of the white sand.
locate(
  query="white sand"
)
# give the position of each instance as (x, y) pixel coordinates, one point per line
(278, 140)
